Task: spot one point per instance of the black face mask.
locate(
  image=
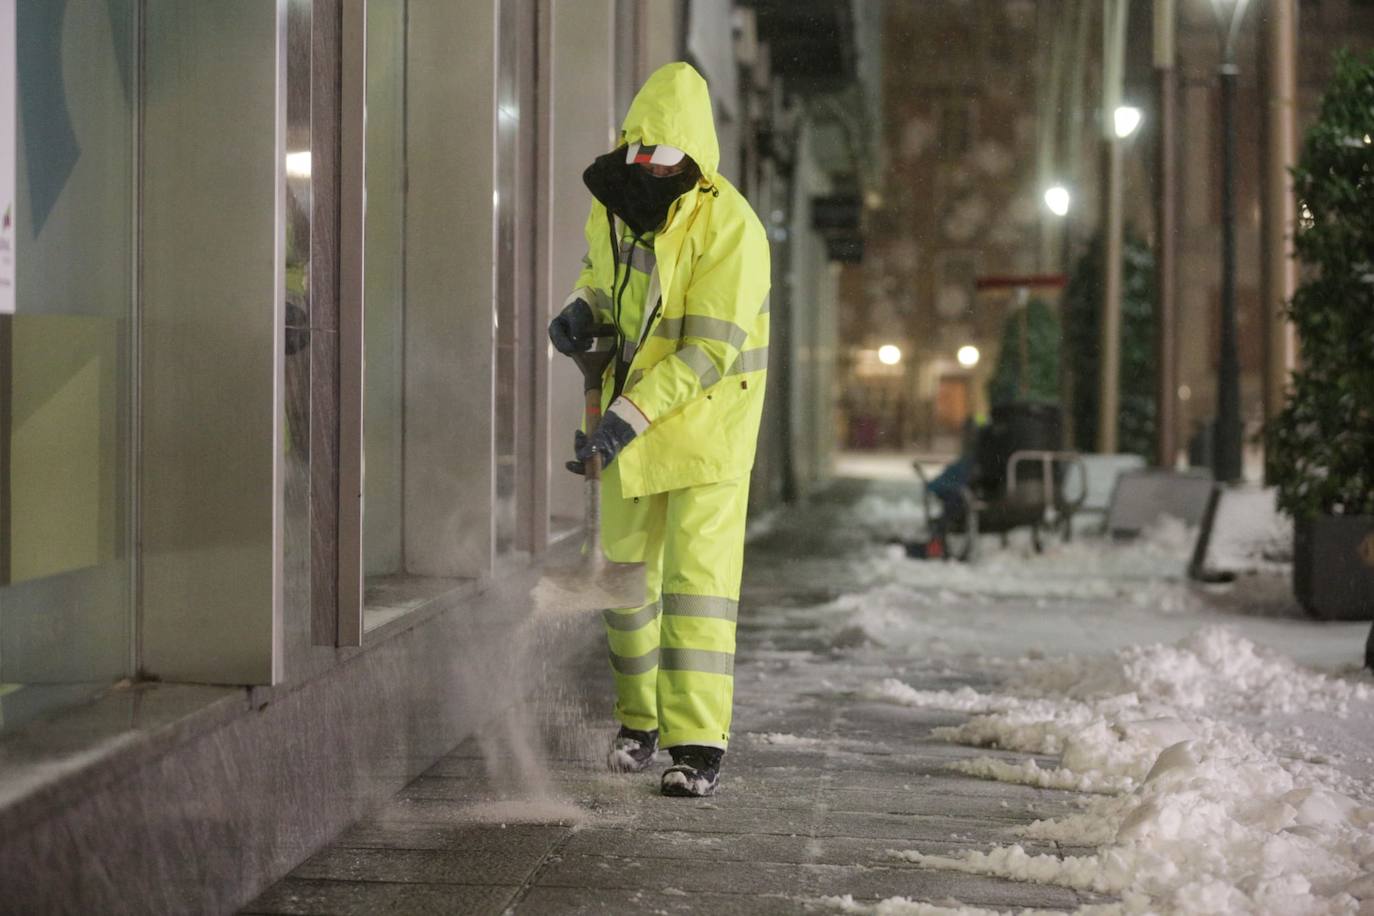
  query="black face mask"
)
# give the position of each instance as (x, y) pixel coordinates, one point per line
(634, 194)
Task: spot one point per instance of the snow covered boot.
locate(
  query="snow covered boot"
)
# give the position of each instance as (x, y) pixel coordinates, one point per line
(632, 751)
(695, 772)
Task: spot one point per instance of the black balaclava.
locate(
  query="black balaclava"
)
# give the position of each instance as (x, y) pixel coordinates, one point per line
(634, 193)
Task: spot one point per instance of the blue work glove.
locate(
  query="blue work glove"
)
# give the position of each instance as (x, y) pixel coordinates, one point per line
(577, 466)
(617, 429)
(571, 331)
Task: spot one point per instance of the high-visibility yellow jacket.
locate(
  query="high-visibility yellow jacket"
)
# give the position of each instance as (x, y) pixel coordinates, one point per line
(698, 379)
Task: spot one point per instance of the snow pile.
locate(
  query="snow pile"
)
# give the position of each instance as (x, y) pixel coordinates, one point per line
(902, 906)
(886, 516)
(1213, 670)
(1204, 815)
(780, 739)
(1250, 534)
(1148, 572)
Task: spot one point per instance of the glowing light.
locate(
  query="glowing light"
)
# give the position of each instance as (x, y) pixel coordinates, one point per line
(968, 356)
(1184, 393)
(889, 355)
(298, 164)
(1126, 119)
(1057, 199)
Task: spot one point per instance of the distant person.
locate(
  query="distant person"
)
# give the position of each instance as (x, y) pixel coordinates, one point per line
(950, 487)
(679, 264)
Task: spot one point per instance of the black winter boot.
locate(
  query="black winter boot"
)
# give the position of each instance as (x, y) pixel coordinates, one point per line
(632, 751)
(695, 772)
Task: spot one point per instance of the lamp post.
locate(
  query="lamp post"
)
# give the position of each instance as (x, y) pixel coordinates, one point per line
(1119, 122)
(1166, 242)
(1227, 447)
(1125, 119)
(1058, 200)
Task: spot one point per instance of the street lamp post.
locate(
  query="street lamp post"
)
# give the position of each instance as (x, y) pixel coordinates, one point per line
(1058, 200)
(1119, 122)
(1227, 446)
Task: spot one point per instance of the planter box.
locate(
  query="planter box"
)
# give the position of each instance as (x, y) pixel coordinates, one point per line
(1333, 566)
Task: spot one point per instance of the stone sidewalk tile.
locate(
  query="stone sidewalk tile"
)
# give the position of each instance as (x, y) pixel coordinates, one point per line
(752, 847)
(806, 880)
(508, 863)
(667, 900)
(299, 897)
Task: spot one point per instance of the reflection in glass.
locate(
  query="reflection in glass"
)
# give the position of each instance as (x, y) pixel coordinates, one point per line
(65, 378)
(384, 288)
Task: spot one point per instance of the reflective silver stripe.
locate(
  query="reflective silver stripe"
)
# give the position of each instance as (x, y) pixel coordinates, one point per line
(766, 303)
(631, 620)
(637, 256)
(704, 327)
(582, 292)
(701, 660)
(714, 329)
(697, 360)
(628, 411)
(639, 664)
(670, 328)
(750, 361)
(700, 606)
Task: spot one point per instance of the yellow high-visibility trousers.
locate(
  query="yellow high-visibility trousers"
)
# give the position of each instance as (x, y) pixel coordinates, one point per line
(673, 658)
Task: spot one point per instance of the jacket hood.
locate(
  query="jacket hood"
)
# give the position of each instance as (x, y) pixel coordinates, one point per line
(674, 107)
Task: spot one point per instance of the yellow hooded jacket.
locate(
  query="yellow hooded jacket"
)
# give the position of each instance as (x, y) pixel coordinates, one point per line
(699, 377)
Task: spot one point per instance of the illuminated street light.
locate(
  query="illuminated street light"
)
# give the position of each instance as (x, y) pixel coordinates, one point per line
(1126, 119)
(889, 355)
(1057, 199)
(968, 356)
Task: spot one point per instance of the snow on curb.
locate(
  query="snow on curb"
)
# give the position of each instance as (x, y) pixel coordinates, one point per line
(1206, 812)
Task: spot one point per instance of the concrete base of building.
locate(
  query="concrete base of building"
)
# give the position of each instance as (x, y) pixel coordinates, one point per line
(177, 798)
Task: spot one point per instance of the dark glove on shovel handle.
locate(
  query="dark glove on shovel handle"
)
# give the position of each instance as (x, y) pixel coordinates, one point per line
(612, 434)
(577, 466)
(571, 331)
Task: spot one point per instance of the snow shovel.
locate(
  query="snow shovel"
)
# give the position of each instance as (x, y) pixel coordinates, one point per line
(587, 580)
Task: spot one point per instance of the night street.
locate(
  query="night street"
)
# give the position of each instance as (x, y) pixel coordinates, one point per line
(849, 657)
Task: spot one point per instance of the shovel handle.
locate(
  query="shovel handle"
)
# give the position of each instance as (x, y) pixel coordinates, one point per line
(592, 471)
(591, 418)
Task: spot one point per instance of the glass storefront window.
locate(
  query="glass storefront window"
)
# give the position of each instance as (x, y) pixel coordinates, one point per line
(66, 382)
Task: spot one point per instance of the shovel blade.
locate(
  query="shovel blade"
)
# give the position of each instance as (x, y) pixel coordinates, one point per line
(574, 582)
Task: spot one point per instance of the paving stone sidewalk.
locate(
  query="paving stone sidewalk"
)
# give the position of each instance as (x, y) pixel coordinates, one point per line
(819, 787)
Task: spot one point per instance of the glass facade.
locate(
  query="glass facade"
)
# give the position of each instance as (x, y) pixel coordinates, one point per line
(384, 289)
(67, 381)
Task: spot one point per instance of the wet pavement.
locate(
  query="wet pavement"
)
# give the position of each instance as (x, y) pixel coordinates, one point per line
(820, 789)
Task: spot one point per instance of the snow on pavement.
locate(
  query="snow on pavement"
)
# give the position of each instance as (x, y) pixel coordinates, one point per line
(1230, 757)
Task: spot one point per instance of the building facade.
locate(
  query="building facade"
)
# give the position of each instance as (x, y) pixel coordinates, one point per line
(281, 436)
(989, 103)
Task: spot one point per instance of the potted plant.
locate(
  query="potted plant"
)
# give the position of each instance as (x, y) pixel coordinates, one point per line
(1082, 312)
(1320, 448)
(1027, 370)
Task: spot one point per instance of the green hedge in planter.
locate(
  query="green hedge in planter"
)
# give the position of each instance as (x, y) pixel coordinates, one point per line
(1320, 448)
(1082, 337)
